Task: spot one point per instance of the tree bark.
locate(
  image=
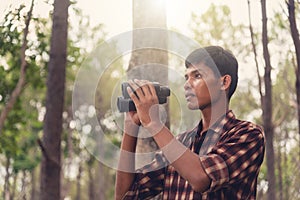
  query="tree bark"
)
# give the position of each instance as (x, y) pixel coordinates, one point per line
(149, 63)
(22, 78)
(51, 143)
(6, 180)
(23, 185)
(78, 183)
(267, 108)
(14, 187)
(100, 181)
(285, 166)
(33, 185)
(296, 40)
(91, 183)
(68, 161)
(254, 52)
(279, 168)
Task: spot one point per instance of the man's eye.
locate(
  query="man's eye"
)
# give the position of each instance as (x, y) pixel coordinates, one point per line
(198, 76)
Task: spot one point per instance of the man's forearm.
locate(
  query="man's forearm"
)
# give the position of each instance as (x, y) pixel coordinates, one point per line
(125, 174)
(186, 163)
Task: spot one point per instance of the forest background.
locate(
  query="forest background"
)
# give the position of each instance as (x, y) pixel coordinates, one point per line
(263, 35)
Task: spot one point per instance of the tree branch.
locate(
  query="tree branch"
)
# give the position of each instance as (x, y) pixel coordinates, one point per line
(255, 53)
(21, 82)
(296, 40)
(46, 154)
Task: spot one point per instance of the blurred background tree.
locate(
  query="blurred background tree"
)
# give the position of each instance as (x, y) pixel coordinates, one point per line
(83, 176)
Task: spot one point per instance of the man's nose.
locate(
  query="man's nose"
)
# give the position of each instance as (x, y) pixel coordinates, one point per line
(187, 85)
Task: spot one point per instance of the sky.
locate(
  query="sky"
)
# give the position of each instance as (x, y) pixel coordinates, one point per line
(116, 14)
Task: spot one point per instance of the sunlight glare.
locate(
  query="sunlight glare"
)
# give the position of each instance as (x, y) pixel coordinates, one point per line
(179, 13)
(175, 11)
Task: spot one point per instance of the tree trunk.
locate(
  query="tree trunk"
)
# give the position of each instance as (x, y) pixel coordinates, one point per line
(68, 161)
(51, 143)
(6, 180)
(99, 173)
(285, 166)
(21, 82)
(267, 108)
(296, 40)
(100, 181)
(33, 185)
(14, 187)
(279, 168)
(149, 63)
(23, 185)
(255, 52)
(78, 183)
(91, 182)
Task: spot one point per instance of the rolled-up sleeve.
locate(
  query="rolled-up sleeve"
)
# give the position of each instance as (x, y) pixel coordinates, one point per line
(149, 180)
(235, 158)
(217, 170)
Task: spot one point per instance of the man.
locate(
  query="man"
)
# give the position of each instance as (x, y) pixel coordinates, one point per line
(219, 159)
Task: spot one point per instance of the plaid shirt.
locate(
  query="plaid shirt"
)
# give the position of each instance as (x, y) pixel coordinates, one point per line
(231, 153)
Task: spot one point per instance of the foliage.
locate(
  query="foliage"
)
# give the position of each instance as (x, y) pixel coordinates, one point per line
(24, 124)
(215, 27)
(17, 137)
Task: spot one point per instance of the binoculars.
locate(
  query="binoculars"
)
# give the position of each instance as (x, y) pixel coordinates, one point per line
(125, 103)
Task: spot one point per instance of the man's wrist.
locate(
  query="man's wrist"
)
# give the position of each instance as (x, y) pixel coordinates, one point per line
(154, 127)
(131, 128)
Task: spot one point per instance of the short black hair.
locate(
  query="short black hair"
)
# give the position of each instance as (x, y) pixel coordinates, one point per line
(220, 60)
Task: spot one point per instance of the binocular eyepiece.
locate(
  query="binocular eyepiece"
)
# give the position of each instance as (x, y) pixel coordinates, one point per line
(125, 103)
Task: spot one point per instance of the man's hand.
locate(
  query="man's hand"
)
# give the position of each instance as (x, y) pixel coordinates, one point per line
(131, 123)
(132, 117)
(144, 96)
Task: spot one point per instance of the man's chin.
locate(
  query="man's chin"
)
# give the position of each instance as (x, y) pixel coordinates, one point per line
(193, 107)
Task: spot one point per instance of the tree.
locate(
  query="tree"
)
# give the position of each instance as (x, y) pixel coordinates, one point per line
(267, 107)
(296, 40)
(19, 154)
(215, 27)
(149, 63)
(21, 82)
(51, 143)
(21, 125)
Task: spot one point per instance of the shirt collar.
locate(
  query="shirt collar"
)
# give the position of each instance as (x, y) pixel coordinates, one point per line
(214, 132)
(218, 128)
(219, 125)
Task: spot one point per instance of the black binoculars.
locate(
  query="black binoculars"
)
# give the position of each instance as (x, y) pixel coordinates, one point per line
(125, 103)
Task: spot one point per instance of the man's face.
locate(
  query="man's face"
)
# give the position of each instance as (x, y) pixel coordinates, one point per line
(202, 88)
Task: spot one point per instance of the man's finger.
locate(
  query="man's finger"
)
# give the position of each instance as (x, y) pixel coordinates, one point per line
(152, 90)
(145, 85)
(132, 95)
(136, 88)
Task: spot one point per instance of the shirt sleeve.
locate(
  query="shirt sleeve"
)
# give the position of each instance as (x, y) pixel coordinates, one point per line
(149, 180)
(238, 156)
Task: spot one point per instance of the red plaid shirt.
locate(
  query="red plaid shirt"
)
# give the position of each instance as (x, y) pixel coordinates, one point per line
(231, 153)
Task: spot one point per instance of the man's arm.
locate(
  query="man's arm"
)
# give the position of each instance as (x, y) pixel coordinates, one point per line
(186, 162)
(125, 174)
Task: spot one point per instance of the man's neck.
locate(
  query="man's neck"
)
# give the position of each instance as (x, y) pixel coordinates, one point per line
(211, 114)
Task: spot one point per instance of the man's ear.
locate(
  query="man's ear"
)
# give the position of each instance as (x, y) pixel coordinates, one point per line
(226, 82)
